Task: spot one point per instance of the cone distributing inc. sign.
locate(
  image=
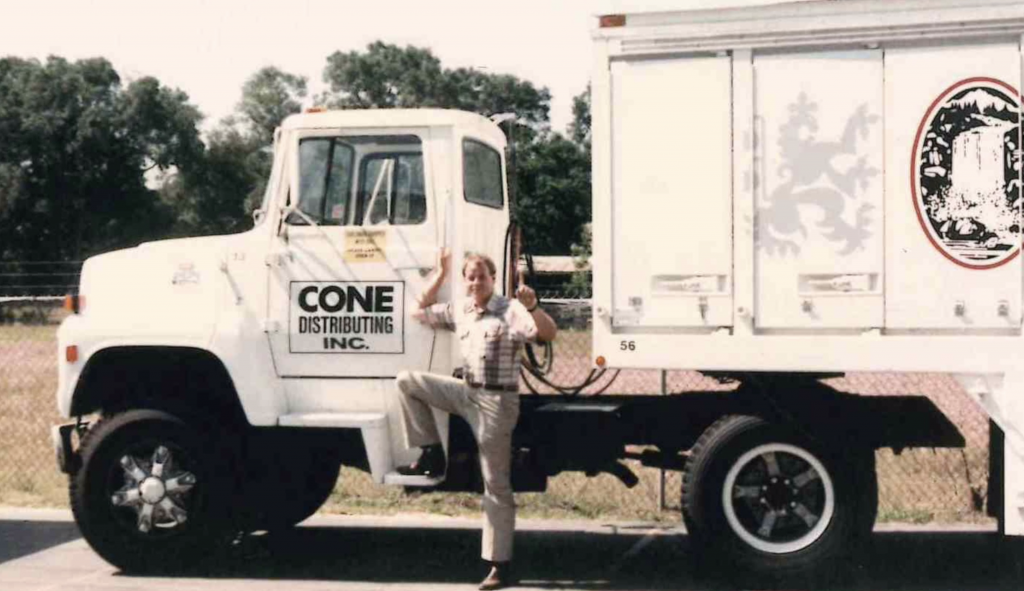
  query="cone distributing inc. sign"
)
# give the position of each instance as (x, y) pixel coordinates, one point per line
(965, 173)
(346, 317)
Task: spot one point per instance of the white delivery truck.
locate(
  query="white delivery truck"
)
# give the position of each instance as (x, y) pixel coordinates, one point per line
(815, 187)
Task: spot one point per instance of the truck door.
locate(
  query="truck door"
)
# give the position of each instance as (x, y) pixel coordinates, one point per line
(482, 214)
(672, 192)
(819, 200)
(352, 255)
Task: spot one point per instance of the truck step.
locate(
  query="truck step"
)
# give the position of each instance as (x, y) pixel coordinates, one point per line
(334, 420)
(395, 478)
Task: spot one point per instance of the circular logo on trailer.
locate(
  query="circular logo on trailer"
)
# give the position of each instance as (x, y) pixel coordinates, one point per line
(965, 173)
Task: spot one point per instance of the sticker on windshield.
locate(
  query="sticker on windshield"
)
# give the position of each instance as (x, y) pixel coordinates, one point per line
(346, 317)
(366, 246)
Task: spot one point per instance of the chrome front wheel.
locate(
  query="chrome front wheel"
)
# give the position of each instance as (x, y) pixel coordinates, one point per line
(147, 496)
(156, 489)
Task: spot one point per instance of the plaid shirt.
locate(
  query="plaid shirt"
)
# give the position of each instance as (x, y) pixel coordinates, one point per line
(491, 339)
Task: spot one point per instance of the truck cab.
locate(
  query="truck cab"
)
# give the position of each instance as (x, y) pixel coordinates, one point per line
(291, 330)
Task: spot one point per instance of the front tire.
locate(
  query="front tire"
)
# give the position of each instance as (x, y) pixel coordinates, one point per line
(770, 500)
(147, 495)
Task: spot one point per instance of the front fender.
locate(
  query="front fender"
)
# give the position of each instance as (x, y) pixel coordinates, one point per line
(243, 354)
(89, 338)
(241, 344)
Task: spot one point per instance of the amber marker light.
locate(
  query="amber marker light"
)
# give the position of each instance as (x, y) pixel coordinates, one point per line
(316, 109)
(600, 361)
(71, 353)
(609, 21)
(74, 303)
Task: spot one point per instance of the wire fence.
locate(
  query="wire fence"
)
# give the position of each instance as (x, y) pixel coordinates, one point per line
(918, 485)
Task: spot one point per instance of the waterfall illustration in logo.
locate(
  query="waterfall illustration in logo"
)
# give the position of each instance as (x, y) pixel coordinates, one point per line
(965, 174)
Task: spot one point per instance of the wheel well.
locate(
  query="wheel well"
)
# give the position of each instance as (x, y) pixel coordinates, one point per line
(185, 381)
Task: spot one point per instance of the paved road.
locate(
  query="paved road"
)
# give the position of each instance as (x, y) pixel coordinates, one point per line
(41, 550)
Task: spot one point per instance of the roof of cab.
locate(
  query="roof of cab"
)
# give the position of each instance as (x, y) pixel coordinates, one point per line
(786, 23)
(470, 123)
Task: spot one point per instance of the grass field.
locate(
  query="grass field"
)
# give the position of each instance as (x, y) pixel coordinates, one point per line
(920, 486)
(28, 385)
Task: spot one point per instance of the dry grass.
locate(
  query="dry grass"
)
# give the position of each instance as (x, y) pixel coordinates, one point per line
(28, 385)
(919, 485)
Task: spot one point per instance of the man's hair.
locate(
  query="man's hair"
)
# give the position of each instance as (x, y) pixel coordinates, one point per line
(476, 257)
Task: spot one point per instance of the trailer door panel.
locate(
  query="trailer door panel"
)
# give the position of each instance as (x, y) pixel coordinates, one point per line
(953, 152)
(819, 203)
(672, 192)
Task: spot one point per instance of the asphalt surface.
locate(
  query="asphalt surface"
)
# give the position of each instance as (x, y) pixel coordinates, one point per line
(42, 550)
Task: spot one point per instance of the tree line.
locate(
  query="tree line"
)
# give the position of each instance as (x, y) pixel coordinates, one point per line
(90, 163)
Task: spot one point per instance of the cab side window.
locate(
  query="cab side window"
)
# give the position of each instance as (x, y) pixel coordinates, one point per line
(481, 174)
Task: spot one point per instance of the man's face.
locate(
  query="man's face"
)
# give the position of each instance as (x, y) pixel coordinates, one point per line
(479, 283)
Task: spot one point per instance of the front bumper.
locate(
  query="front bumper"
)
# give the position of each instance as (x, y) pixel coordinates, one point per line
(65, 450)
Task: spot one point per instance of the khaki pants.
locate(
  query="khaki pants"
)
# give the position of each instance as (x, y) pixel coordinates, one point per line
(492, 416)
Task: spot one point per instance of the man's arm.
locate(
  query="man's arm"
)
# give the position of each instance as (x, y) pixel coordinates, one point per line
(429, 295)
(546, 329)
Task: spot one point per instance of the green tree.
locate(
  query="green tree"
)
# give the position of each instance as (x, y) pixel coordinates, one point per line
(581, 283)
(216, 194)
(269, 96)
(579, 128)
(553, 194)
(389, 76)
(76, 146)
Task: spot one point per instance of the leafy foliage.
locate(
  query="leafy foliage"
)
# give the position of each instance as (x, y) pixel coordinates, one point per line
(579, 129)
(76, 146)
(216, 194)
(81, 148)
(269, 96)
(581, 282)
(388, 76)
(553, 194)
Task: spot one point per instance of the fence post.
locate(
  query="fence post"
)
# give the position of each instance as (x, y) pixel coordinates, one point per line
(661, 471)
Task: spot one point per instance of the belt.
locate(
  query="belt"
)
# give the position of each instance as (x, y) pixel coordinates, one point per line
(493, 387)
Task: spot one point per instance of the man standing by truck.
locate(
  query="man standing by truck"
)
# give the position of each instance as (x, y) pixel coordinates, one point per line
(491, 331)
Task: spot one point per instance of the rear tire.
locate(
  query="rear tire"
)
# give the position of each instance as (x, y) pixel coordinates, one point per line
(769, 500)
(148, 496)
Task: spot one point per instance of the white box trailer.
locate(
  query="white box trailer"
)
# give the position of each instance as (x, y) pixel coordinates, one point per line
(780, 194)
(815, 187)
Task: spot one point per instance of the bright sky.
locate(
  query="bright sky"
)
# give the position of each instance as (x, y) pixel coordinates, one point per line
(209, 48)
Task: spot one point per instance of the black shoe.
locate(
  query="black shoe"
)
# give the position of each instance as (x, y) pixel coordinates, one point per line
(431, 464)
(500, 577)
